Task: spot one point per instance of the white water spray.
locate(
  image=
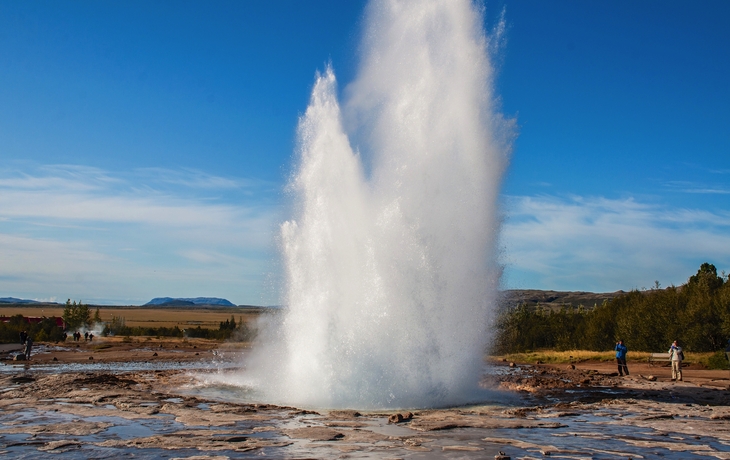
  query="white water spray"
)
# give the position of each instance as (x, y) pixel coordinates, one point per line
(391, 275)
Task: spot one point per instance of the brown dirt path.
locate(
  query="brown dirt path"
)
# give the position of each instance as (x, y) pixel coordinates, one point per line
(119, 349)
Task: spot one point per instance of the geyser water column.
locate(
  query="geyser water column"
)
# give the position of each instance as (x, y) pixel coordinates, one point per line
(391, 275)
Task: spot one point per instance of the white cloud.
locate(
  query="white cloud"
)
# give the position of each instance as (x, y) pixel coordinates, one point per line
(88, 194)
(83, 232)
(600, 244)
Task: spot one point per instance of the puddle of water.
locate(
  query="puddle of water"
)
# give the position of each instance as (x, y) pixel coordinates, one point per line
(223, 386)
(264, 434)
(116, 367)
(149, 403)
(129, 431)
(38, 349)
(64, 403)
(382, 427)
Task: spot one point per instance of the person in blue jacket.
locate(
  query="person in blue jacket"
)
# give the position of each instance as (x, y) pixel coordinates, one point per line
(621, 358)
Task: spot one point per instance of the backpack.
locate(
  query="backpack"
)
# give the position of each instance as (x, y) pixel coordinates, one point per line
(681, 355)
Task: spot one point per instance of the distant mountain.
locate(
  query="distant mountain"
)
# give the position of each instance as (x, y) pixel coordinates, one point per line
(173, 303)
(14, 300)
(188, 302)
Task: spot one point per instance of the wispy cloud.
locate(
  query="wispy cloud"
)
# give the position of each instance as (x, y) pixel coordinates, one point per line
(70, 230)
(57, 177)
(692, 187)
(193, 178)
(608, 244)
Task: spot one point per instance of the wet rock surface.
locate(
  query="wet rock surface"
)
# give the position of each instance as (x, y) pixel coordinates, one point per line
(539, 411)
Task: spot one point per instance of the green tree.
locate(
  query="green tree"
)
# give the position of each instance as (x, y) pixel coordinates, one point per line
(704, 310)
(706, 278)
(228, 325)
(76, 315)
(697, 314)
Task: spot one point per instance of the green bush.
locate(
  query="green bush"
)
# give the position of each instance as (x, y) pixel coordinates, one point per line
(46, 330)
(718, 361)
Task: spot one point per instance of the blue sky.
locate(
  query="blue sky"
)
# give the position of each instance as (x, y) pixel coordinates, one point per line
(144, 146)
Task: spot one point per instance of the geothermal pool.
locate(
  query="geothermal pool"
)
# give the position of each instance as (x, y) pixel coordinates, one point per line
(180, 414)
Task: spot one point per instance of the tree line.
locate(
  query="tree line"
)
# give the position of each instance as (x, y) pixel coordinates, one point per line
(227, 330)
(45, 330)
(696, 313)
(78, 316)
(75, 316)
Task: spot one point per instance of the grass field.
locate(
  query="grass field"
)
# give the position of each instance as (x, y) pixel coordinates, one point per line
(576, 356)
(149, 317)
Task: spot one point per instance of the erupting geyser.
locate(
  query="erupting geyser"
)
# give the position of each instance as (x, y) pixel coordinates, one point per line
(391, 262)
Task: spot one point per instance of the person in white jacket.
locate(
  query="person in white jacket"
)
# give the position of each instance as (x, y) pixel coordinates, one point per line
(676, 356)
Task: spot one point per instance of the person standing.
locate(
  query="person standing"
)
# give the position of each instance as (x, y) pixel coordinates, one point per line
(28, 348)
(676, 356)
(621, 358)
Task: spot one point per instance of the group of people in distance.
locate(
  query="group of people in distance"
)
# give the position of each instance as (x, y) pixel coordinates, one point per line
(27, 342)
(88, 336)
(676, 356)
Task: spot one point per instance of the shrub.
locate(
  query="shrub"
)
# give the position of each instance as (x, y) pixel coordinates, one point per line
(717, 361)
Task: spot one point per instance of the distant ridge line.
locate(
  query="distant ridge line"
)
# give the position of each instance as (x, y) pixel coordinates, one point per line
(188, 302)
(513, 298)
(509, 299)
(16, 300)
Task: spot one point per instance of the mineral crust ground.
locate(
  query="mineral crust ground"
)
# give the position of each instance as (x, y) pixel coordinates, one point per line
(145, 400)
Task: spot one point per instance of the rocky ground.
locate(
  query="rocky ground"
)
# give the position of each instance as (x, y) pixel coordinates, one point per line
(116, 349)
(538, 411)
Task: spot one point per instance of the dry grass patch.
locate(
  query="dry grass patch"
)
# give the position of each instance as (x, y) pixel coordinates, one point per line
(578, 356)
(150, 317)
(558, 357)
(570, 356)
